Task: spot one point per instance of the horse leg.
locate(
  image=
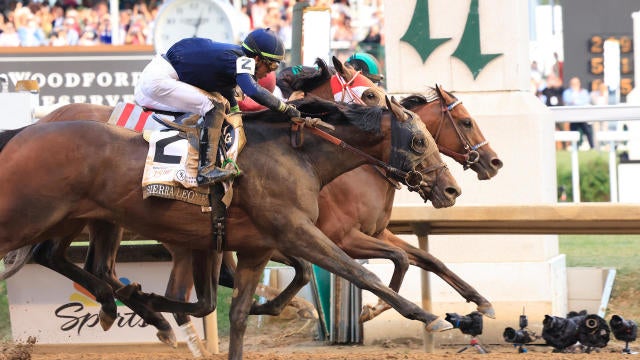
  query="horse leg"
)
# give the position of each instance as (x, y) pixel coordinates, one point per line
(276, 304)
(51, 254)
(428, 262)
(248, 272)
(359, 245)
(320, 250)
(206, 268)
(104, 241)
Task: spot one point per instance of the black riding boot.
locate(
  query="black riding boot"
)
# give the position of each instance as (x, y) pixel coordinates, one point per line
(209, 173)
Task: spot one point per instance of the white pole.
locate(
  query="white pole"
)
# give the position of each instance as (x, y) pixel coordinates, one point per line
(636, 46)
(114, 14)
(575, 171)
(613, 174)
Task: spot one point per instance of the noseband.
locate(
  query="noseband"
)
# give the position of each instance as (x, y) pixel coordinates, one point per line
(471, 156)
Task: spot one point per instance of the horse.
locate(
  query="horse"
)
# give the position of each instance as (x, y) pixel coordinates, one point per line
(282, 211)
(457, 133)
(443, 114)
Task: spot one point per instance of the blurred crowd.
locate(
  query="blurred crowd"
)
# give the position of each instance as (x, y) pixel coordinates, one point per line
(356, 25)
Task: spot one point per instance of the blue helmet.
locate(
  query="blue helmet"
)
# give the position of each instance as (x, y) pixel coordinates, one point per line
(264, 43)
(367, 64)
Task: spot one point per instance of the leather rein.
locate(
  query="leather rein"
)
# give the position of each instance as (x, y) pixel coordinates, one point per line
(412, 179)
(471, 156)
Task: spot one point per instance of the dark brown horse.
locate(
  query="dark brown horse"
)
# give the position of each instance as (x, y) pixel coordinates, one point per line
(457, 132)
(458, 136)
(46, 192)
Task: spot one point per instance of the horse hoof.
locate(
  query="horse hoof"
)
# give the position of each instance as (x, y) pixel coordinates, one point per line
(438, 325)
(126, 291)
(167, 337)
(487, 310)
(307, 314)
(366, 314)
(106, 320)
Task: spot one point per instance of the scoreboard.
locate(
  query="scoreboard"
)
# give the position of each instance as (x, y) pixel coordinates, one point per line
(596, 61)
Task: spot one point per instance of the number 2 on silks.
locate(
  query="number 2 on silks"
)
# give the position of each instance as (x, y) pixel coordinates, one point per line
(245, 65)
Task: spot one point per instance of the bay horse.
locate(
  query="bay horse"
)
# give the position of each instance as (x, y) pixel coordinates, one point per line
(44, 193)
(457, 131)
(442, 113)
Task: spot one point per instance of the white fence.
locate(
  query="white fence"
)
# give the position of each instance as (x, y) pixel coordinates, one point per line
(620, 114)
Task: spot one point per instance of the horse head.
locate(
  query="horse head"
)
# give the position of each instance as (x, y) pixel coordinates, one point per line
(456, 132)
(349, 85)
(413, 156)
(438, 184)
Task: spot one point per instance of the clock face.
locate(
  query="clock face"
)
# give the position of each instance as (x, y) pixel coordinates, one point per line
(180, 19)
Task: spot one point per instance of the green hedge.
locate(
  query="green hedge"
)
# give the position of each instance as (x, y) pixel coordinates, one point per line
(594, 175)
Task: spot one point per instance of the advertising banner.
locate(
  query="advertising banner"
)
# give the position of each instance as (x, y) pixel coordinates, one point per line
(56, 310)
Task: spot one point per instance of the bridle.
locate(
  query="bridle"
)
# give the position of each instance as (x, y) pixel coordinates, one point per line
(413, 179)
(471, 156)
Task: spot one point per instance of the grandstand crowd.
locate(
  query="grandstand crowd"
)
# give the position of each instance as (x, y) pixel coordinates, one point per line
(355, 24)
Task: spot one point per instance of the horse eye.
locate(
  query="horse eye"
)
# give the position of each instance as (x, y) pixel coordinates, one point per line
(370, 95)
(467, 123)
(419, 144)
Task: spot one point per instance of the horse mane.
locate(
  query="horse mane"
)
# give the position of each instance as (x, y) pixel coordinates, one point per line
(415, 100)
(305, 78)
(367, 118)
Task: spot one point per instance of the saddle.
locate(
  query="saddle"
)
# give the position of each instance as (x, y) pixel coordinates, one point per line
(172, 162)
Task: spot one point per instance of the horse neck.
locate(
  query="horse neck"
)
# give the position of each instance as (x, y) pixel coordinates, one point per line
(431, 115)
(323, 91)
(327, 160)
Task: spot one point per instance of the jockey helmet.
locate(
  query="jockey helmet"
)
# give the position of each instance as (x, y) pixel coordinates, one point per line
(367, 64)
(264, 43)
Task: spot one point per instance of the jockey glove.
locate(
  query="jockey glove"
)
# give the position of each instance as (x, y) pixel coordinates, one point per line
(291, 111)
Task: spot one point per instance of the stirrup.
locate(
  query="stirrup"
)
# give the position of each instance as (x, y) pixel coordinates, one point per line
(212, 174)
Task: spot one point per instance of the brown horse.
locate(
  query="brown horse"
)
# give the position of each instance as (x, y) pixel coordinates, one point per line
(44, 193)
(442, 113)
(456, 132)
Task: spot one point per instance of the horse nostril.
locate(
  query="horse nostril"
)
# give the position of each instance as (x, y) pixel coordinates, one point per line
(496, 163)
(453, 191)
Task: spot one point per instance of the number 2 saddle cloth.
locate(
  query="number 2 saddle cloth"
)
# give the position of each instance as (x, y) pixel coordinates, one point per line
(171, 166)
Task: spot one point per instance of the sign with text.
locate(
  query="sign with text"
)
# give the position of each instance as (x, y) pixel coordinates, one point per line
(55, 310)
(103, 78)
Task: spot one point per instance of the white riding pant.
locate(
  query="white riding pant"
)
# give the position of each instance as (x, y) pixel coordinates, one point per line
(159, 88)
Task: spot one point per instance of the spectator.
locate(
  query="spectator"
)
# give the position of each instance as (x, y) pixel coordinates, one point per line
(558, 67)
(9, 36)
(551, 95)
(104, 30)
(576, 95)
(600, 96)
(28, 28)
(59, 37)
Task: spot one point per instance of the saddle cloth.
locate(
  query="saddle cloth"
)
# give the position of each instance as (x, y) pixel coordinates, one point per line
(171, 166)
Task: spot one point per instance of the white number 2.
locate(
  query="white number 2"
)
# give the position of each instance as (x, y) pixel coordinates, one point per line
(245, 65)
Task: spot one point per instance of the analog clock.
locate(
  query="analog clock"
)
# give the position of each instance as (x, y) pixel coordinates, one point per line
(179, 19)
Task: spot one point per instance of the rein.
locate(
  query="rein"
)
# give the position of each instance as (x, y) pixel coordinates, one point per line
(471, 156)
(412, 179)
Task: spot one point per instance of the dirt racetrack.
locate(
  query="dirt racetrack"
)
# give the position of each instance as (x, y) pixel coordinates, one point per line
(308, 351)
(288, 340)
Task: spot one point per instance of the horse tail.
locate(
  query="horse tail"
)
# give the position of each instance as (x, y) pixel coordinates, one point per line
(7, 135)
(15, 260)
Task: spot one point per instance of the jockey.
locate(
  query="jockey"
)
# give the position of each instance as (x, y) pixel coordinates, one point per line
(180, 79)
(368, 65)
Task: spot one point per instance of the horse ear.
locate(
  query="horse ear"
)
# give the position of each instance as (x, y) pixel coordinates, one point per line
(388, 101)
(337, 64)
(439, 91)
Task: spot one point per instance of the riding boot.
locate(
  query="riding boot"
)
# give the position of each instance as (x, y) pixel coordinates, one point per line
(209, 173)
